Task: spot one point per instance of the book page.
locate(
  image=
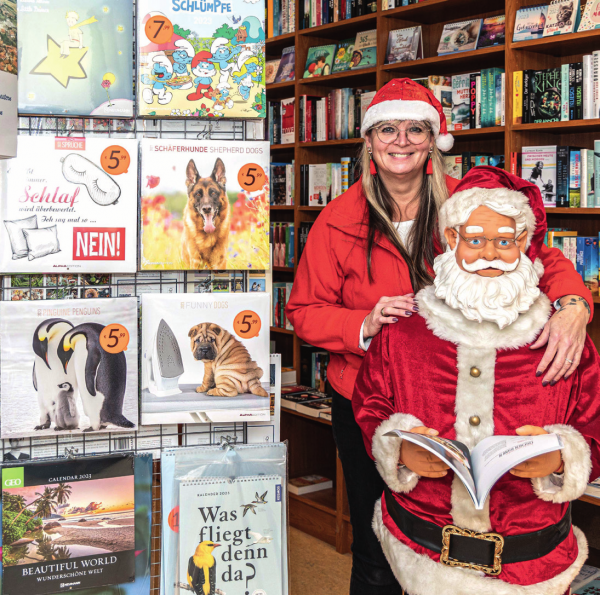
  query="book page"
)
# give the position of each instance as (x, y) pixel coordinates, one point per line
(496, 455)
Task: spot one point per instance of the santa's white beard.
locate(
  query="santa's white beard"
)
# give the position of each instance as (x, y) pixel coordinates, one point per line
(495, 299)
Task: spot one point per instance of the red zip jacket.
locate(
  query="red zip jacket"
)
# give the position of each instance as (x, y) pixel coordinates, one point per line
(332, 294)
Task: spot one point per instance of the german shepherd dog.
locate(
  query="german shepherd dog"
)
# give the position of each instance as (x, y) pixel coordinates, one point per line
(205, 219)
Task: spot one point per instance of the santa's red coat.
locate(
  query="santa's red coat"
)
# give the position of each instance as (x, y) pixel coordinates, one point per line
(419, 373)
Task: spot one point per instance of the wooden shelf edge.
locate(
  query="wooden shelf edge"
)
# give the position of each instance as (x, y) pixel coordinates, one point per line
(285, 331)
(329, 27)
(569, 125)
(281, 207)
(552, 40)
(320, 420)
(280, 38)
(490, 130)
(309, 502)
(283, 85)
(323, 80)
(284, 269)
(283, 147)
(570, 211)
(590, 500)
(311, 208)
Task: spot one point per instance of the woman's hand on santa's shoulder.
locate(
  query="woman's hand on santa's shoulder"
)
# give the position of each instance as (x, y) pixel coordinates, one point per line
(386, 311)
(565, 334)
(540, 466)
(421, 461)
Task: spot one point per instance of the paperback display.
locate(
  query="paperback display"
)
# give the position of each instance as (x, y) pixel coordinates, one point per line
(79, 515)
(492, 32)
(68, 366)
(530, 22)
(75, 59)
(205, 357)
(8, 80)
(271, 68)
(319, 61)
(591, 16)
(205, 205)
(191, 66)
(539, 168)
(482, 467)
(343, 55)
(563, 17)
(459, 37)
(365, 50)
(461, 96)
(404, 45)
(286, 69)
(69, 204)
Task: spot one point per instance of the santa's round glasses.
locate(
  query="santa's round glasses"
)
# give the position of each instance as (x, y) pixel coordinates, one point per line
(389, 133)
(480, 242)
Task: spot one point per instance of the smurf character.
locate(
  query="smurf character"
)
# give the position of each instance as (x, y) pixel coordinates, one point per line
(222, 54)
(222, 100)
(246, 80)
(204, 72)
(162, 71)
(182, 57)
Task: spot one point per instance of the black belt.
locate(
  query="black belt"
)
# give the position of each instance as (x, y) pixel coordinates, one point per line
(482, 551)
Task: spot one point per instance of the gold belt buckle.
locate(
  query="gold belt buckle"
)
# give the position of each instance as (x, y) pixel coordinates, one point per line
(495, 538)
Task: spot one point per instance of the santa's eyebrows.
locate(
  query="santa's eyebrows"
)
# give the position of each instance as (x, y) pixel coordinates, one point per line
(506, 230)
(474, 229)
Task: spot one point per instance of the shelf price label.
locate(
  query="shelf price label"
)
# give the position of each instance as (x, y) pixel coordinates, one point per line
(159, 29)
(114, 338)
(115, 160)
(247, 324)
(251, 177)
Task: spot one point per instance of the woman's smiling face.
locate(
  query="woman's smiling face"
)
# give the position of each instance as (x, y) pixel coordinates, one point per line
(400, 147)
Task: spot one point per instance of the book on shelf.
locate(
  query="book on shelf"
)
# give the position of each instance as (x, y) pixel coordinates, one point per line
(587, 178)
(517, 103)
(453, 166)
(587, 261)
(492, 32)
(563, 17)
(271, 67)
(282, 235)
(293, 395)
(539, 166)
(280, 298)
(308, 484)
(404, 45)
(459, 37)
(491, 104)
(441, 87)
(343, 55)
(281, 17)
(286, 68)
(288, 376)
(587, 582)
(282, 183)
(480, 468)
(530, 22)
(597, 173)
(365, 50)
(568, 177)
(470, 159)
(319, 61)
(305, 227)
(590, 19)
(545, 96)
(288, 119)
(323, 182)
(274, 121)
(315, 407)
(461, 102)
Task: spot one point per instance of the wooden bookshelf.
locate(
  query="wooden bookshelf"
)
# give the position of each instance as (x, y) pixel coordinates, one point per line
(312, 449)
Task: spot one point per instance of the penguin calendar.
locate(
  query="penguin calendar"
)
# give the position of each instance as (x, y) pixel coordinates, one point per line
(201, 58)
(68, 367)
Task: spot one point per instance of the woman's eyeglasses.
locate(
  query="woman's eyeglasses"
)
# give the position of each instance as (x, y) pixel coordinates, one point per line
(389, 133)
(480, 242)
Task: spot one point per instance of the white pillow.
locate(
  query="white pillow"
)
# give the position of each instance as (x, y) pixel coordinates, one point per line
(41, 242)
(15, 229)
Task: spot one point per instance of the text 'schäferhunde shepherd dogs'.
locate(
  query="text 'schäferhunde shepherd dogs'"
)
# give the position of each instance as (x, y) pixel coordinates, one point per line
(205, 219)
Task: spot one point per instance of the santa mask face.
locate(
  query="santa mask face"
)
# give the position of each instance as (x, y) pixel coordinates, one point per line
(487, 244)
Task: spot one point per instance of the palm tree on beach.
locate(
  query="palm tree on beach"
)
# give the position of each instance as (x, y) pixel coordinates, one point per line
(62, 492)
(46, 503)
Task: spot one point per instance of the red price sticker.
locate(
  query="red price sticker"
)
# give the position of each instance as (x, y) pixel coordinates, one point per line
(247, 324)
(174, 519)
(159, 29)
(114, 338)
(251, 177)
(115, 160)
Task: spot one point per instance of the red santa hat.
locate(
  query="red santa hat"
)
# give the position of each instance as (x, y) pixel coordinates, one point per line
(504, 193)
(201, 57)
(403, 99)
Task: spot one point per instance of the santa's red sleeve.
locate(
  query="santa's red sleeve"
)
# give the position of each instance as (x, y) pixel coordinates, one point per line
(560, 277)
(580, 435)
(374, 411)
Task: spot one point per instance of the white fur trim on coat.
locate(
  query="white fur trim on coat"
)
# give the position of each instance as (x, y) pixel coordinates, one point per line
(386, 452)
(458, 208)
(576, 456)
(450, 324)
(420, 575)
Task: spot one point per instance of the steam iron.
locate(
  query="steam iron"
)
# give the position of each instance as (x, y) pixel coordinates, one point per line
(166, 365)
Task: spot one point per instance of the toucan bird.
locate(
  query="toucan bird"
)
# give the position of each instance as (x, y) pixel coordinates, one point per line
(202, 569)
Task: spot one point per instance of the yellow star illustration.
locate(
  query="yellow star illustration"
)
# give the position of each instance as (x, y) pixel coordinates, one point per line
(62, 68)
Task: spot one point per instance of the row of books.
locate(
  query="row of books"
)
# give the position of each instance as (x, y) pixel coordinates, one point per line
(281, 17)
(322, 12)
(387, 5)
(303, 231)
(568, 92)
(306, 400)
(320, 183)
(458, 165)
(281, 295)
(281, 121)
(353, 53)
(282, 236)
(566, 176)
(313, 366)
(338, 115)
(282, 69)
(282, 183)
(582, 251)
(557, 18)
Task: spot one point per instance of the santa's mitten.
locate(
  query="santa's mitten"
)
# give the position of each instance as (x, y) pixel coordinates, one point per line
(576, 456)
(386, 452)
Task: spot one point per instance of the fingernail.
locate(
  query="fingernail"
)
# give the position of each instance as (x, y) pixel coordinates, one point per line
(545, 383)
(408, 313)
(553, 383)
(394, 320)
(538, 374)
(415, 308)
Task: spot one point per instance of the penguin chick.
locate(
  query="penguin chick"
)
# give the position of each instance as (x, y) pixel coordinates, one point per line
(67, 417)
(202, 569)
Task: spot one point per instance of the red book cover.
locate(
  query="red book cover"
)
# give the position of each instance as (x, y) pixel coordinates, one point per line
(308, 127)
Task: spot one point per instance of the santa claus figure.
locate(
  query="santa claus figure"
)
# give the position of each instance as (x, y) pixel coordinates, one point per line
(463, 370)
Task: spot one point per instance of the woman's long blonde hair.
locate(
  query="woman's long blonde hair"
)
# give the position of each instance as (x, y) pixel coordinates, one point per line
(383, 211)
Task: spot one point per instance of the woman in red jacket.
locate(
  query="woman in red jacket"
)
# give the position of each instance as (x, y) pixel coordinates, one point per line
(367, 254)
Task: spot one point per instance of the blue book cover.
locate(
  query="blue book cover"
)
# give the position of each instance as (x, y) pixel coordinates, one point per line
(590, 264)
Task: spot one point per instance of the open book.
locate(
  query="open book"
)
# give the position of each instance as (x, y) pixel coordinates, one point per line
(481, 468)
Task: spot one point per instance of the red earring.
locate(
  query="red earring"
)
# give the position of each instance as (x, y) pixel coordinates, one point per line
(372, 166)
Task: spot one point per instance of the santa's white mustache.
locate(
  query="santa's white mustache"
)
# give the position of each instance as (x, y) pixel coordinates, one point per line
(480, 264)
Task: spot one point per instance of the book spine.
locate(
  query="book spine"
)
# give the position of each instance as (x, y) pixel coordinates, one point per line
(526, 85)
(572, 108)
(584, 179)
(597, 173)
(531, 108)
(478, 101)
(284, 16)
(270, 18)
(562, 176)
(564, 92)
(588, 87)
(575, 178)
(579, 91)
(472, 99)
(292, 17)
(517, 104)
(596, 83)
(501, 120)
(301, 124)
(484, 99)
